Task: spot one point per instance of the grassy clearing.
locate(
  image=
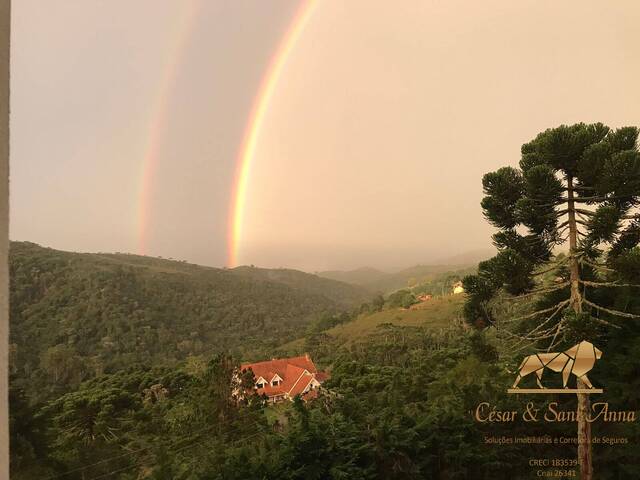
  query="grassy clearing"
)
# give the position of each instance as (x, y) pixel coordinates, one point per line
(436, 313)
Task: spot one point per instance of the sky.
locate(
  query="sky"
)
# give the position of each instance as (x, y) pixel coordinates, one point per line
(128, 119)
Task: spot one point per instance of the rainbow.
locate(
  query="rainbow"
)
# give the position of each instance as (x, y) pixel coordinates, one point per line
(254, 124)
(159, 119)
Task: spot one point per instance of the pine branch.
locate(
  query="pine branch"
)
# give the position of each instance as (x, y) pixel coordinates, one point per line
(633, 231)
(582, 223)
(560, 307)
(582, 217)
(607, 284)
(539, 291)
(524, 338)
(553, 341)
(558, 328)
(560, 201)
(531, 340)
(604, 322)
(537, 338)
(597, 266)
(616, 313)
(554, 268)
(601, 198)
(546, 310)
(588, 213)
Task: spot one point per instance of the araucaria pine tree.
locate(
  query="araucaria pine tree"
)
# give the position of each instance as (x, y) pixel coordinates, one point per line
(577, 186)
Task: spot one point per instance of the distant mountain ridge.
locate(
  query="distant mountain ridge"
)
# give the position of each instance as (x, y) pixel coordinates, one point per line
(359, 276)
(376, 280)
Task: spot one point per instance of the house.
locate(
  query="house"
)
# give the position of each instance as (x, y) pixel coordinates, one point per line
(284, 378)
(422, 301)
(458, 288)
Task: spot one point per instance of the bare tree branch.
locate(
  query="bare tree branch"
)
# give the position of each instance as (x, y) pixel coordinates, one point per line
(546, 310)
(578, 187)
(554, 268)
(616, 313)
(539, 291)
(553, 341)
(547, 321)
(607, 284)
(543, 336)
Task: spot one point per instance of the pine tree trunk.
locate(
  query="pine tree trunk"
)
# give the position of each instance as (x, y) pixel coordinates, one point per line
(584, 427)
(576, 299)
(584, 435)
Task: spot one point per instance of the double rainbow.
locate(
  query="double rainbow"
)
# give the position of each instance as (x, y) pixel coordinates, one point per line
(159, 119)
(254, 124)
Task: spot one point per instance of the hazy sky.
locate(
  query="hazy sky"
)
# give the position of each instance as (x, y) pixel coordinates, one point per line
(385, 118)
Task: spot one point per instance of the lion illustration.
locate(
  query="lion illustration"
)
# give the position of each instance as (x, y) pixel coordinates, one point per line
(578, 360)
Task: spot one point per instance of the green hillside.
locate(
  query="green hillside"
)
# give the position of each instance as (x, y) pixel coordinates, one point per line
(344, 294)
(402, 380)
(74, 316)
(437, 313)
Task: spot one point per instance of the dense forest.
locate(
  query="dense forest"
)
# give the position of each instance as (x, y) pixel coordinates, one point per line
(76, 316)
(397, 407)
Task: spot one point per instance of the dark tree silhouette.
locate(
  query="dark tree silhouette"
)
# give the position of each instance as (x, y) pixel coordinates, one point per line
(579, 186)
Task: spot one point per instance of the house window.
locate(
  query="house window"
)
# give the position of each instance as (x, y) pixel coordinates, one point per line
(259, 385)
(275, 383)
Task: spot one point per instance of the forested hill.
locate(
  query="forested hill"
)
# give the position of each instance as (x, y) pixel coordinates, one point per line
(344, 294)
(74, 316)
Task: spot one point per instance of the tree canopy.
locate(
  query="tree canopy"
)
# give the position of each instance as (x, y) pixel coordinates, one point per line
(577, 185)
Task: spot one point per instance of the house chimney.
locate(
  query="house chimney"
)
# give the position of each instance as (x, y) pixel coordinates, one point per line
(306, 355)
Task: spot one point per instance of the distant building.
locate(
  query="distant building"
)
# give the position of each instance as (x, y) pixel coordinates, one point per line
(458, 288)
(425, 297)
(284, 378)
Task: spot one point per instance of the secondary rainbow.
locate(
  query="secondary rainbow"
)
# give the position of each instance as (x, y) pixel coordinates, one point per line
(159, 119)
(254, 124)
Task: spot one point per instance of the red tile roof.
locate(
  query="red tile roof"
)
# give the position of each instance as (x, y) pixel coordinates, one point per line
(296, 374)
